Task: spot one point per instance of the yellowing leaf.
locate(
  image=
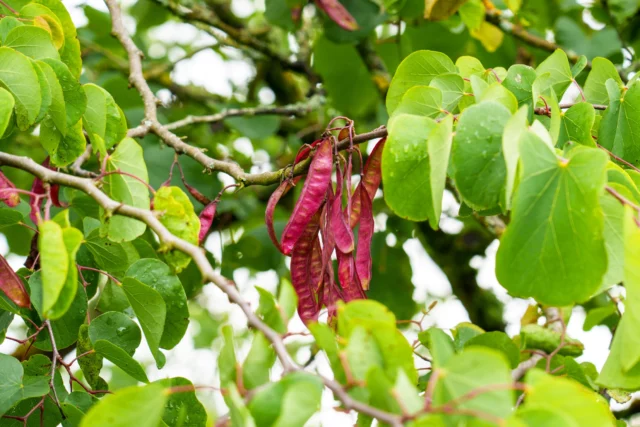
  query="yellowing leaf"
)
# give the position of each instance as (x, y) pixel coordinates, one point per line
(178, 215)
(489, 35)
(438, 10)
(54, 262)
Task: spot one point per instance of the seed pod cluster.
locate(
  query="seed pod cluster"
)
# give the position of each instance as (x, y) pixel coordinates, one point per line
(322, 224)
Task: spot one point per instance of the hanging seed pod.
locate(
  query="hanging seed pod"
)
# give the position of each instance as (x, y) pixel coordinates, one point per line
(343, 235)
(365, 236)
(351, 287)
(371, 177)
(12, 285)
(312, 196)
(282, 189)
(338, 14)
(206, 219)
(306, 268)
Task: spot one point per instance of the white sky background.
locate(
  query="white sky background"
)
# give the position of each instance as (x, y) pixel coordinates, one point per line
(210, 71)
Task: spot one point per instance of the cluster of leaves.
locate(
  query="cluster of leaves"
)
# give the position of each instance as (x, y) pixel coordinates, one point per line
(545, 158)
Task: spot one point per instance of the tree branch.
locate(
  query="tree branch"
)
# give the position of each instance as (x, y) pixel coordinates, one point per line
(198, 256)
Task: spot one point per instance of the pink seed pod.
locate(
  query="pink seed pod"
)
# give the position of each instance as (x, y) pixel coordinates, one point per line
(12, 285)
(371, 177)
(206, 219)
(365, 236)
(305, 265)
(7, 196)
(312, 196)
(282, 189)
(338, 14)
(342, 233)
(351, 287)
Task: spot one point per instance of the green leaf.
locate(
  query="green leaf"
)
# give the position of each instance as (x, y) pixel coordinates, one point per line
(91, 363)
(576, 124)
(452, 88)
(127, 157)
(74, 97)
(498, 341)
(72, 238)
(119, 357)
(257, 365)
(513, 131)
(553, 249)
(420, 101)
(614, 234)
(15, 386)
(440, 345)
(345, 77)
(618, 132)
(498, 93)
(239, 415)
(269, 311)
(287, 300)
(478, 166)
(227, 360)
(104, 121)
(519, 81)
(158, 276)
(62, 149)
(116, 328)
(53, 261)
(183, 408)
(132, 406)
(65, 329)
(178, 215)
(557, 65)
(7, 104)
(7, 24)
(32, 41)
(595, 90)
(45, 91)
(622, 368)
(417, 69)
(472, 369)
(300, 401)
(18, 76)
(585, 407)
(151, 311)
(414, 178)
(57, 110)
(463, 332)
(579, 66)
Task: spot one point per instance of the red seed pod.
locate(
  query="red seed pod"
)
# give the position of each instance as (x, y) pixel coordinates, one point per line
(338, 14)
(38, 188)
(312, 196)
(12, 285)
(365, 235)
(328, 239)
(196, 194)
(306, 149)
(7, 196)
(371, 177)
(351, 287)
(206, 219)
(282, 189)
(331, 292)
(343, 235)
(305, 268)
